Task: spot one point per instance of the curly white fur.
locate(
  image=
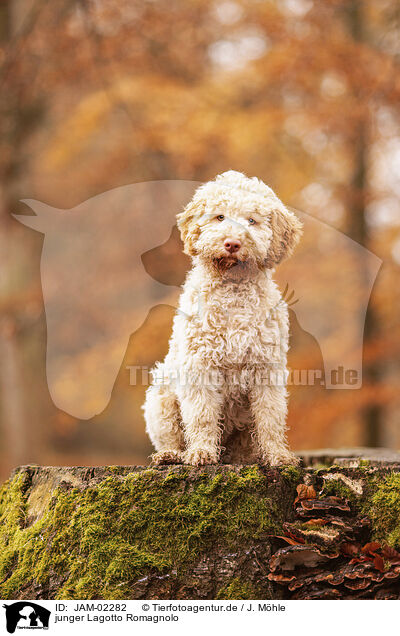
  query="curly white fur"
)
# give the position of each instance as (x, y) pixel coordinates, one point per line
(220, 394)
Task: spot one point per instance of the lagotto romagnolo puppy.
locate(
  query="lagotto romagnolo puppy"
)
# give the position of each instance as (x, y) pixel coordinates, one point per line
(220, 394)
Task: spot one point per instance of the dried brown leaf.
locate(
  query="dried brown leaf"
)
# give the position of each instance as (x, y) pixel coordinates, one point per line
(379, 564)
(305, 492)
(391, 554)
(371, 548)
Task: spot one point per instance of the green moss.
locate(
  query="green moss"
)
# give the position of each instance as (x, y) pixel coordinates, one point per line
(98, 541)
(383, 508)
(114, 469)
(237, 590)
(291, 473)
(336, 488)
(321, 467)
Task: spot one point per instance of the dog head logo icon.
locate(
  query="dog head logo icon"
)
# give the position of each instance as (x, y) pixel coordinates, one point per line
(26, 615)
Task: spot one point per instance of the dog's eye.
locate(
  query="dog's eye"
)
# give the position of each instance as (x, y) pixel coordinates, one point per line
(252, 222)
(220, 217)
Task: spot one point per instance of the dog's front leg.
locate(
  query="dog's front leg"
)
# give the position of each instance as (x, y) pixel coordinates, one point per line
(201, 410)
(268, 405)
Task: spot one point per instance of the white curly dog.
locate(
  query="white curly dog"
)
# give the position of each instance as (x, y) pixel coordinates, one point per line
(220, 394)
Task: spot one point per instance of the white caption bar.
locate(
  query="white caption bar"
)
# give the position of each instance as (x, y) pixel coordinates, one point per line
(177, 617)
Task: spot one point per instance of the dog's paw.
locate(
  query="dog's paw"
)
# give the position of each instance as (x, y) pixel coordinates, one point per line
(200, 457)
(285, 458)
(162, 458)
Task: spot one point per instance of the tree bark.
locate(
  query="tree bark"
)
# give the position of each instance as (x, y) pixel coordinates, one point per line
(330, 529)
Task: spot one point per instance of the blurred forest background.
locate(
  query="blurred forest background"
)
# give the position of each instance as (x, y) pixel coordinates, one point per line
(95, 94)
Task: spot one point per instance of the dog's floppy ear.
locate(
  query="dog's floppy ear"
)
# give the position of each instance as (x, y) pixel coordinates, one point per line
(188, 227)
(286, 232)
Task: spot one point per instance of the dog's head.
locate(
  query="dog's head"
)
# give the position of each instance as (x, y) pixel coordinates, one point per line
(235, 219)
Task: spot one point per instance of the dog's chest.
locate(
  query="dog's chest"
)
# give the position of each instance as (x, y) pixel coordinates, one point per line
(238, 326)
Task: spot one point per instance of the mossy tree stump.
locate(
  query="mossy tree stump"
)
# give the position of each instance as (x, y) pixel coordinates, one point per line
(330, 529)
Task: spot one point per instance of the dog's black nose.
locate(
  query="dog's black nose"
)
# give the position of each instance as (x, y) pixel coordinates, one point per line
(232, 245)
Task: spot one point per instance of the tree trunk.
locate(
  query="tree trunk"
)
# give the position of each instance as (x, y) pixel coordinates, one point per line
(372, 415)
(19, 119)
(11, 390)
(216, 532)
